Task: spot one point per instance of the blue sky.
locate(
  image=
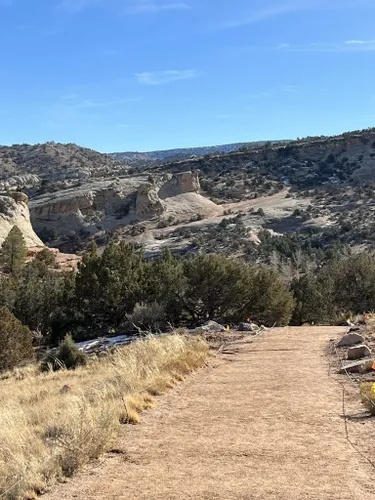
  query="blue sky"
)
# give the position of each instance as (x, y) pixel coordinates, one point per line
(118, 75)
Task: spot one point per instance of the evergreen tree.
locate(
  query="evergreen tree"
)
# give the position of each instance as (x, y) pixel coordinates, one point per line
(15, 341)
(13, 251)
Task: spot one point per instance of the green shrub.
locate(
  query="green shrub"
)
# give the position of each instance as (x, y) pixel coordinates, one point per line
(15, 341)
(13, 251)
(67, 356)
(47, 257)
(147, 316)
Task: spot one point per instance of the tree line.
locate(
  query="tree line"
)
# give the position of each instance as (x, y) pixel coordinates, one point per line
(120, 290)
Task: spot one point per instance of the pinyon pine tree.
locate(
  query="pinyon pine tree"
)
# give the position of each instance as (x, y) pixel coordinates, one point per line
(15, 341)
(13, 251)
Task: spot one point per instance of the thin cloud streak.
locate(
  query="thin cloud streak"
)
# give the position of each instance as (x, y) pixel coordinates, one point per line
(268, 12)
(164, 77)
(360, 42)
(292, 6)
(154, 8)
(75, 6)
(73, 102)
(128, 7)
(347, 46)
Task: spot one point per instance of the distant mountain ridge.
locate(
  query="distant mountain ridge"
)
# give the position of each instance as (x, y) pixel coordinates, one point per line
(184, 153)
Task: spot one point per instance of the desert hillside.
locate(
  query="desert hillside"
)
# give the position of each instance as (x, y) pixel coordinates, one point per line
(319, 188)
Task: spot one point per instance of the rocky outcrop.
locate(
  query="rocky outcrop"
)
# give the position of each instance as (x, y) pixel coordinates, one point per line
(181, 183)
(14, 211)
(148, 203)
(354, 367)
(150, 196)
(63, 261)
(83, 207)
(19, 182)
(98, 205)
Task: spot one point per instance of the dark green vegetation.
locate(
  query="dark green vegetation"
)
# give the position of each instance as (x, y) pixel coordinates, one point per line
(321, 268)
(15, 341)
(13, 251)
(66, 356)
(120, 290)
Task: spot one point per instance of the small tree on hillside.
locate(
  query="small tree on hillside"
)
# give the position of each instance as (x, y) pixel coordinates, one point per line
(15, 341)
(13, 251)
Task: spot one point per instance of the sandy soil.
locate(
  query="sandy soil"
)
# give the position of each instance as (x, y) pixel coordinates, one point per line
(263, 422)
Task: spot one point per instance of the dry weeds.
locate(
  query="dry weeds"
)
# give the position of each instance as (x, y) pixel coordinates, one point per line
(368, 396)
(52, 424)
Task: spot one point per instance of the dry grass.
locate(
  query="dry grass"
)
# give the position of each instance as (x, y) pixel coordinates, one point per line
(47, 432)
(368, 396)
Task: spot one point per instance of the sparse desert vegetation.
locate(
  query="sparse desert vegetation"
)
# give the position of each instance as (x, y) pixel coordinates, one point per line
(281, 233)
(52, 423)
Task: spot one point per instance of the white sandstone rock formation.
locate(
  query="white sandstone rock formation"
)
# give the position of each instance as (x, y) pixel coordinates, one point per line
(14, 211)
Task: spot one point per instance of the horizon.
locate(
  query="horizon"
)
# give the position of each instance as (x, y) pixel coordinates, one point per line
(323, 136)
(155, 75)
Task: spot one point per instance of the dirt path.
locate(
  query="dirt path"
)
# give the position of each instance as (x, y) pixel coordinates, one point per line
(263, 423)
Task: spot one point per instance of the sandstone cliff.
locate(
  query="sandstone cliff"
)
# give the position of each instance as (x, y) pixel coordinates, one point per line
(14, 211)
(102, 205)
(148, 203)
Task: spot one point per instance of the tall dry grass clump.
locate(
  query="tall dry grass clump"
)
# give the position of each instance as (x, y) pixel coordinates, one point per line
(53, 423)
(368, 396)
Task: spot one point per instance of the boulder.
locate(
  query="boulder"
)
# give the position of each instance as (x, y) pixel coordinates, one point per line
(210, 326)
(354, 367)
(354, 329)
(245, 327)
(350, 339)
(248, 327)
(358, 352)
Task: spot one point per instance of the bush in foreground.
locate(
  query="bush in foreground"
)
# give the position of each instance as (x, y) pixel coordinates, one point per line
(67, 356)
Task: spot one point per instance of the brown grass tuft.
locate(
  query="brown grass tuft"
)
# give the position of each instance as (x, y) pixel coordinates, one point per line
(47, 433)
(368, 396)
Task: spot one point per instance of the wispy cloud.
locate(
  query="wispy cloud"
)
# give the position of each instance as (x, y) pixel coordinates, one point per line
(268, 12)
(290, 88)
(126, 6)
(163, 77)
(128, 125)
(284, 7)
(346, 46)
(152, 7)
(360, 42)
(224, 116)
(74, 102)
(75, 6)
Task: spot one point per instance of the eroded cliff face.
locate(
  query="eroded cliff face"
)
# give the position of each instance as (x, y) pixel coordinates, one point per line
(19, 182)
(181, 183)
(14, 211)
(86, 207)
(148, 204)
(101, 205)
